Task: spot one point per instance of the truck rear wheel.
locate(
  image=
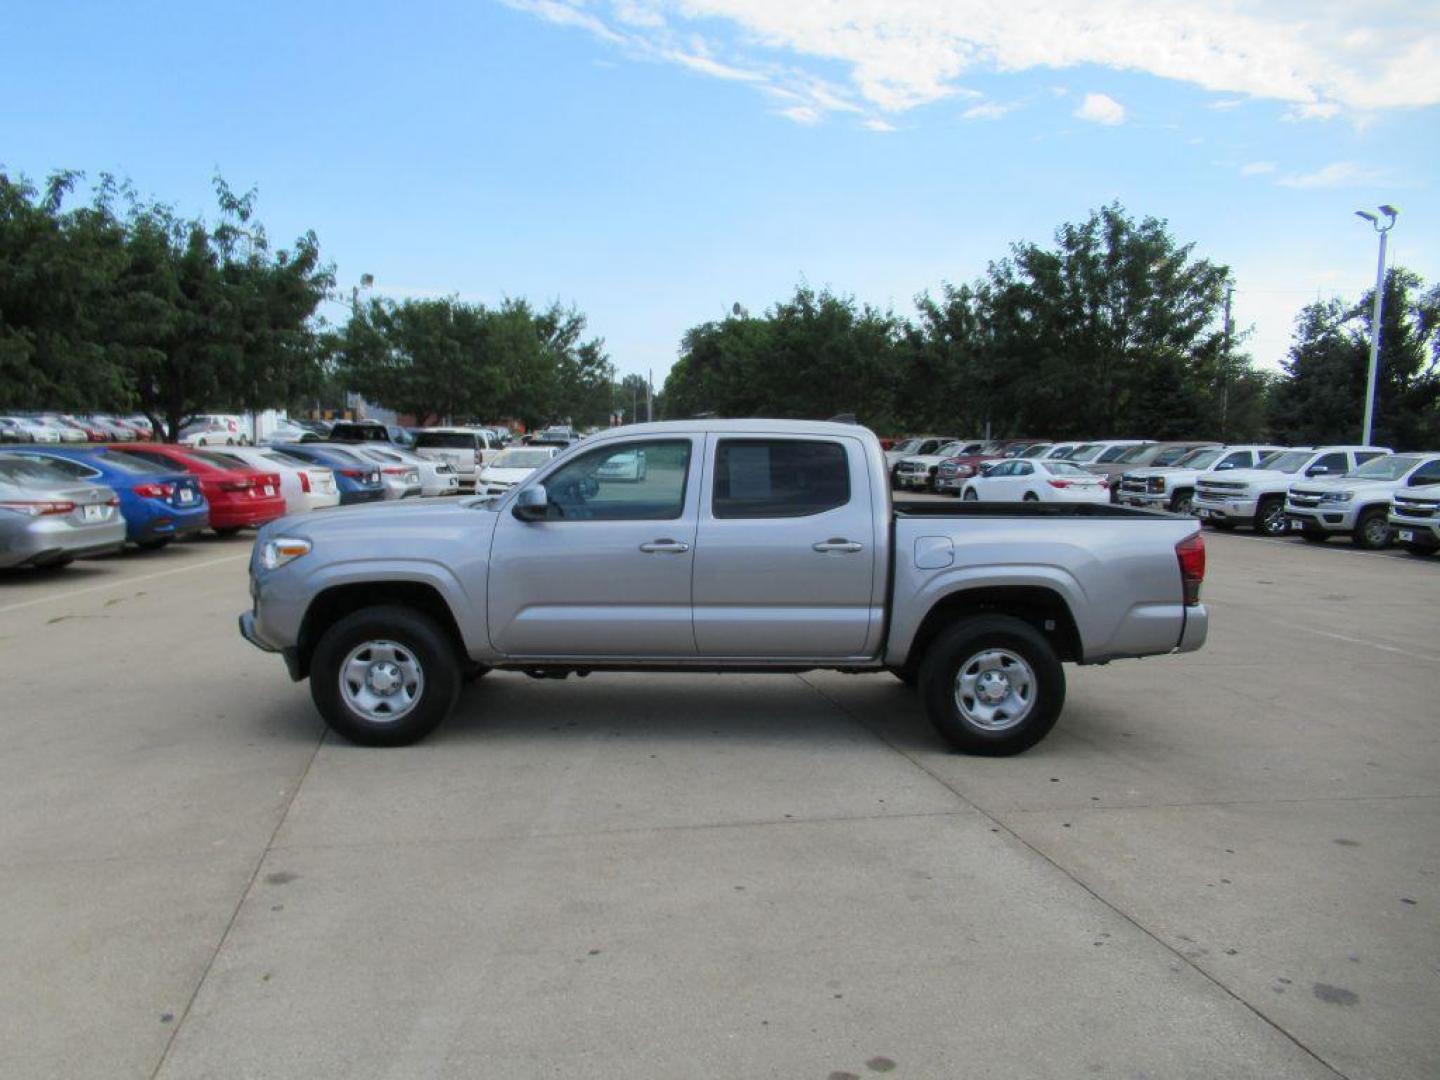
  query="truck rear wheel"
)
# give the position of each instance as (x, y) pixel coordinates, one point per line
(992, 685)
(385, 676)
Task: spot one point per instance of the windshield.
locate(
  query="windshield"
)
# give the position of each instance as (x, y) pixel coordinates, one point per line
(1287, 461)
(135, 466)
(1086, 452)
(19, 470)
(904, 446)
(1129, 453)
(451, 440)
(1387, 467)
(950, 450)
(1201, 459)
(1171, 456)
(520, 459)
(1038, 450)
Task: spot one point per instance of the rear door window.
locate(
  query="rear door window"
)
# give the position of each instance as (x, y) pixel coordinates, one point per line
(779, 478)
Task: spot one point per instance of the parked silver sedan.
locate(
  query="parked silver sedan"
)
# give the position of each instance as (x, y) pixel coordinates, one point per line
(402, 478)
(47, 519)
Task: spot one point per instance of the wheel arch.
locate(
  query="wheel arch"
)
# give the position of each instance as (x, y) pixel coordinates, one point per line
(334, 603)
(1042, 607)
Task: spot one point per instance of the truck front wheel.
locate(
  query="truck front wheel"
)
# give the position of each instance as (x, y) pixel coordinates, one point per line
(385, 676)
(992, 685)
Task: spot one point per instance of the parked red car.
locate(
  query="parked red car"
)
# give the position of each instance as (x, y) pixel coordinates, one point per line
(237, 497)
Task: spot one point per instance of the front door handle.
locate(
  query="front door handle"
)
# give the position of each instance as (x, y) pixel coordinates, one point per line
(666, 547)
(835, 543)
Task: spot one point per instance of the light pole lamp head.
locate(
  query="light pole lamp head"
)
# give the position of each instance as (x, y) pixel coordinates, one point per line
(1367, 216)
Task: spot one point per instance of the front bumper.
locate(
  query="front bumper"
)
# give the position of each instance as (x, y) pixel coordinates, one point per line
(1319, 519)
(1238, 510)
(914, 481)
(252, 635)
(1145, 500)
(1410, 531)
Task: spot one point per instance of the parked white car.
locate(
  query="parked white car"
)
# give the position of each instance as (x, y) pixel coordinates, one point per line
(504, 470)
(463, 449)
(305, 486)
(30, 430)
(1019, 480)
(1172, 487)
(402, 481)
(436, 477)
(1415, 518)
(918, 471)
(1358, 504)
(1256, 497)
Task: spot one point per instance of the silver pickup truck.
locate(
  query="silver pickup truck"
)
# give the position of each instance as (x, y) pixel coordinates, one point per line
(726, 545)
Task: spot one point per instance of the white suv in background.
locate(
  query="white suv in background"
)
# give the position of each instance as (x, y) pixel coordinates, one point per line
(1358, 504)
(1172, 487)
(1256, 497)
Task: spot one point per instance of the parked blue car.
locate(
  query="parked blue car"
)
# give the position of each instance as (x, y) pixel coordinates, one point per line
(158, 504)
(359, 480)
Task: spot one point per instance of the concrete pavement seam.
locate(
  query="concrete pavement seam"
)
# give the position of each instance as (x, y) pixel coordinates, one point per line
(239, 903)
(1252, 1009)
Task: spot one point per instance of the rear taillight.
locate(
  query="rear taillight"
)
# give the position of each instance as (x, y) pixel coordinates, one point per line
(395, 471)
(154, 491)
(305, 482)
(1191, 553)
(1059, 483)
(353, 474)
(36, 509)
(237, 485)
(114, 500)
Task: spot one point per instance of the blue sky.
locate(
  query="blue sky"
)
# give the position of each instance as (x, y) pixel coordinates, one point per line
(654, 162)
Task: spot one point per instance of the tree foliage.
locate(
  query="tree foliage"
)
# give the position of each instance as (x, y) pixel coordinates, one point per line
(123, 304)
(448, 360)
(1115, 329)
(1321, 398)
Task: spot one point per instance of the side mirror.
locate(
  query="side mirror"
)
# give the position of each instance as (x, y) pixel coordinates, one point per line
(986, 468)
(532, 504)
(1317, 470)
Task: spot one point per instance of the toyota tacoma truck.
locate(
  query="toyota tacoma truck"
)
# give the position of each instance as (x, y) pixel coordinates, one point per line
(747, 546)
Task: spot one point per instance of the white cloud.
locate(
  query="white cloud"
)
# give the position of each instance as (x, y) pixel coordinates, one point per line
(1226, 103)
(990, 110)
(801, 114)
(874, 123)
(1335, 175)
(1320, 56)
(1312, 110)
(1257, 168)
(1101, 109)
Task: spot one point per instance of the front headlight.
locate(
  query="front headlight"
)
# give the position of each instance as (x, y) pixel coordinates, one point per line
(283, 549)
(1155, 485)
(1337, 496)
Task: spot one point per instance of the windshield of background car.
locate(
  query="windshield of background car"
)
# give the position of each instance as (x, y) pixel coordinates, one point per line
(135, 466)
(519, 459)
(1065, 468)
(25, 471)
(1287, 461)
(360, 433)
(220, 460)
(1086, 452)
(1389, 467)
(1172, 456)
(449, 440)
(1121, 454)
(1038, 450)
(953, 449)
(288, 461)
(1201, 459)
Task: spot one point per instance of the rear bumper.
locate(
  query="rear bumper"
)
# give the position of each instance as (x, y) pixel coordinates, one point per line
(223, 516)
(350, 498)
(167, 524)
(47, 540)
(1197, 627)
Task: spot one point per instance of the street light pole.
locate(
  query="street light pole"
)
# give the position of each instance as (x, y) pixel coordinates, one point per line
(1384, 230)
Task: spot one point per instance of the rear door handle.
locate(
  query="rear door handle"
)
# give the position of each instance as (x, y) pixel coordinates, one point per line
(667, 547)
(848, 547)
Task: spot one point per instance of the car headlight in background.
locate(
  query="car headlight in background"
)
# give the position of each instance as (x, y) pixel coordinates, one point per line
(1155, 485)
(283, 549)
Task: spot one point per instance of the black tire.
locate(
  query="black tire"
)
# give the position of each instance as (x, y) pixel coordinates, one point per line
(970, 495)
(1182, 502)
(227, 531)
(1223, 526)
(909, 676)
(418, 635)
(153, 545)
(1315, 536)
(961, 646)
(1270, 517)
(1030, 496)
(1372, 530)
(475, 672)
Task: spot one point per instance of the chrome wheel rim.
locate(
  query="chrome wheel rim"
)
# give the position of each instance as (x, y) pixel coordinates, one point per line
(995, 690)
(1377, 531)
(1275, 521)
(381, 681)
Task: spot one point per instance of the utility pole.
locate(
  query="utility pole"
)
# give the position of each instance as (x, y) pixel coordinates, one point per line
(1384, 231)
(650, 396)
(1225, 365)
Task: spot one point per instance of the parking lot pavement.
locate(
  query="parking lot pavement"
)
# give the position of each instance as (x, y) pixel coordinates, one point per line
(1222, 864)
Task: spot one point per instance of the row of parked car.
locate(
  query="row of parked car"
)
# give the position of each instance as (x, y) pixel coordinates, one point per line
(1367, 493)
(60, 502)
